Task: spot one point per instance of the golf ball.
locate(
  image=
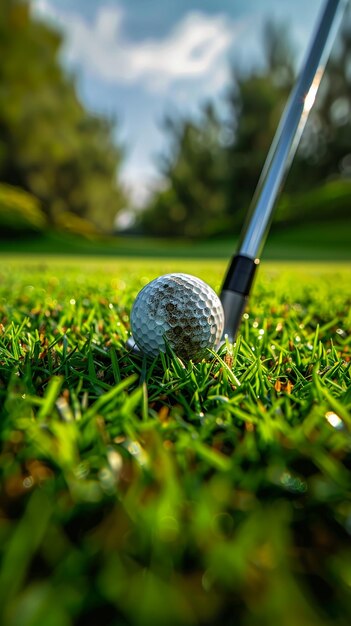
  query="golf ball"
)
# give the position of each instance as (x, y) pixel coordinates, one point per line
(180, 310)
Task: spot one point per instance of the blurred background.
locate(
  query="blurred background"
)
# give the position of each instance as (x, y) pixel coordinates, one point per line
(133, 128)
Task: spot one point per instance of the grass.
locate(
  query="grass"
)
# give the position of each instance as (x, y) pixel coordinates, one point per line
(186, 494)
(324, 241)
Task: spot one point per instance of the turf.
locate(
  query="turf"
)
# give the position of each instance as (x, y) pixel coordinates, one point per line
(137, 492)
(322, 241)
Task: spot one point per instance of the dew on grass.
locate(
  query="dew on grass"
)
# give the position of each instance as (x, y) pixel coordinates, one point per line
(107, 480)
(341, 332)
(134, 448)
(28, 482)
(293, 483)
(334, 420)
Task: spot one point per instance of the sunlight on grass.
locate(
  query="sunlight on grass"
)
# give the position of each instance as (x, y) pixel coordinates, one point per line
(161, 492)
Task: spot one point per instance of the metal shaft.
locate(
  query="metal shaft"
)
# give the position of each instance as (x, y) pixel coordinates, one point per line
(238, 281)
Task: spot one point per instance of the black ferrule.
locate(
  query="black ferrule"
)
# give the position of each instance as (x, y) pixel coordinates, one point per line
(240, 274)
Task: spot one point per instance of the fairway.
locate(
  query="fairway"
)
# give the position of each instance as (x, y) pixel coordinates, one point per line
(139, 492)
(319, 241)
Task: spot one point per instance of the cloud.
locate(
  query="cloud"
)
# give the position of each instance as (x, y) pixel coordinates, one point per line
(179, 69)
(194, 49)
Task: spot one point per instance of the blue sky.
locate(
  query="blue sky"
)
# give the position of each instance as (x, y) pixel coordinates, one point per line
(137, 60)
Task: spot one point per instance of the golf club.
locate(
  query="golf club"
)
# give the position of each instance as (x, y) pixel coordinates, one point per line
(239, 277)
(151, 317)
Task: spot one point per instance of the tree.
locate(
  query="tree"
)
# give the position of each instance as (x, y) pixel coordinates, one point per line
(50, 145)
(256, 101)
(213, 166)
(324, 153)
(195, 179)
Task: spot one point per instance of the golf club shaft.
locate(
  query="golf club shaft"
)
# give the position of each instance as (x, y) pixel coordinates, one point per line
(238, 281)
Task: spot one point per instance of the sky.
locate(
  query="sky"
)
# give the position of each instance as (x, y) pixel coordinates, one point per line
(138, 60)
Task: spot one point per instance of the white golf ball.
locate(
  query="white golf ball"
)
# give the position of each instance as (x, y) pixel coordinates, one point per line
(180, 310)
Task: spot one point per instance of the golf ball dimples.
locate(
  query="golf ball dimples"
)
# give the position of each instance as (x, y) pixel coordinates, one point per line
(178, 309)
